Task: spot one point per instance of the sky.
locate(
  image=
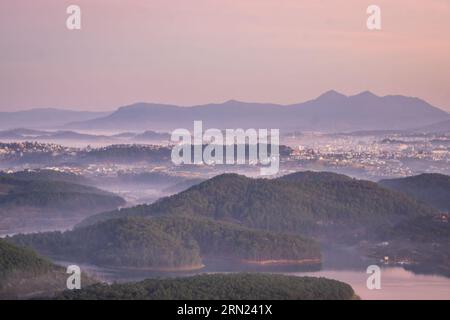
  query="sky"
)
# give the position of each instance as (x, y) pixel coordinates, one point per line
(190, 52)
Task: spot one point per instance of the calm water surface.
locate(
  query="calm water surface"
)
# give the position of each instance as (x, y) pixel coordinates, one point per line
(396, 283)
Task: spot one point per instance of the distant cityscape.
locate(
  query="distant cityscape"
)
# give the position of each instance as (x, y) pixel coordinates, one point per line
(366, 156)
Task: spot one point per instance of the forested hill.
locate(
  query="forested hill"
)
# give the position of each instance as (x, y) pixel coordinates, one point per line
(47, 175)
(305, 203)
(315, 177)
(30, 203)
(431, 188)
(170, 242)
(14, 259)
(52, 194)
(220, 286)
(23, 272)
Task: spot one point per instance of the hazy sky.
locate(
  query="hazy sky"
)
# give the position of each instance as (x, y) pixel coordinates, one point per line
(199, 51)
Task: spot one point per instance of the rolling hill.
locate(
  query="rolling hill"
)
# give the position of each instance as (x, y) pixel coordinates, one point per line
(47, 175)
(241, 286)
(24, 274)
(306, 203)
(171, 243)
(15, 260)
(29, 200)
(433, 189)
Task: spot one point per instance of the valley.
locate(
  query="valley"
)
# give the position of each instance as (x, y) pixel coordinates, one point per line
(113, 202)
(233, 223)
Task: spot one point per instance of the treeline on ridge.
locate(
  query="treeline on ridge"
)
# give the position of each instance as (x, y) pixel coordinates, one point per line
(241, 286)
(169, 242)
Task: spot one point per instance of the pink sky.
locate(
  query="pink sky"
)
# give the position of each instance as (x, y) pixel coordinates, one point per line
(199, 51)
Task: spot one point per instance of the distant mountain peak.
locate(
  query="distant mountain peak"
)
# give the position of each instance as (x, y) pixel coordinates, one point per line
(332, 94)
(232, 101)
(366, 94)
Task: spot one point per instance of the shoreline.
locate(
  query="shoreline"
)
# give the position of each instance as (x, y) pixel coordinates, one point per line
(163, 269)
(283, 262)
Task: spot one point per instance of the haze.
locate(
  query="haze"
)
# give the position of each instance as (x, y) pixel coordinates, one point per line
(190, 52)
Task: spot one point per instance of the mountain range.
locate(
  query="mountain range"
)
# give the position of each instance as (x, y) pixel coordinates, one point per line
(330, 112)
(23, 134)
(44, 118)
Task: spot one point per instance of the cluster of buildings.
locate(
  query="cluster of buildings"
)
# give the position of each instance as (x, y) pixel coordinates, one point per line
(373, 156)
(370, 157)
(18, 149)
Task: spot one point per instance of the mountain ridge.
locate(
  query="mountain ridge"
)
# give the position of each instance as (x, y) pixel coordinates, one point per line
(330, 112)
(44, 117)
(430, 188)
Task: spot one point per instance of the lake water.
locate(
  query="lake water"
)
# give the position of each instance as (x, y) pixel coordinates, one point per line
(344, 265)
(396, 284)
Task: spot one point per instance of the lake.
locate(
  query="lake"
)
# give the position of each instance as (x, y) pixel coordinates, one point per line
(396, 284)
